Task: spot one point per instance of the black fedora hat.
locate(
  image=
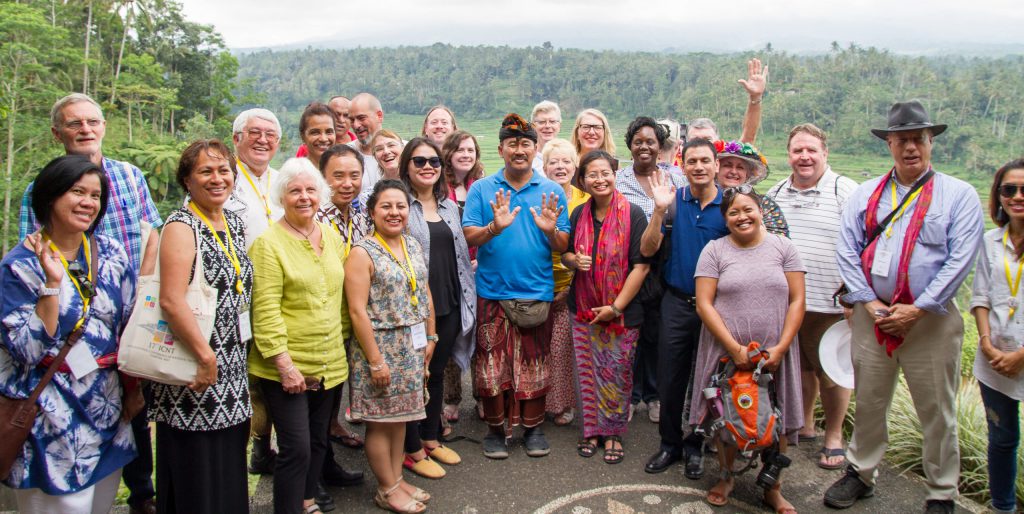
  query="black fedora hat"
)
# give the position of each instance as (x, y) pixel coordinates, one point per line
(904, 116)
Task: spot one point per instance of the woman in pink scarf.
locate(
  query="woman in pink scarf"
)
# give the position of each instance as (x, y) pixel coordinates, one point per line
(605, 252)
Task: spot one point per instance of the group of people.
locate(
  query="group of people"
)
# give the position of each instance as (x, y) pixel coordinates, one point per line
(569, 288)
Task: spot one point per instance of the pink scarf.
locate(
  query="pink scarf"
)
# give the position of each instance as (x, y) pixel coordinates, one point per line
(602, 284)
(902, 293)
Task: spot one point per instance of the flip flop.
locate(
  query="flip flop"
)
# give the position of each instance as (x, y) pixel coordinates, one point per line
(832, 452)
(801, 438)
(350, 440)
(718, 499)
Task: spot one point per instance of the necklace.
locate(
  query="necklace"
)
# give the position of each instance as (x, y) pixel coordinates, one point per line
(305, 236)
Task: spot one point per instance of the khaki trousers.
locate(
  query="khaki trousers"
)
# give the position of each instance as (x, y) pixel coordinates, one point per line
(930, 360)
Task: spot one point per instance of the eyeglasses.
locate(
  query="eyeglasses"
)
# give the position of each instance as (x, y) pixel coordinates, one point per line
(1010, 190)
(602, 175)
(591, 128)
(82, 277)
(256, 134)
(419, 162)
(546, 123)
(742, 189)
(78, 124)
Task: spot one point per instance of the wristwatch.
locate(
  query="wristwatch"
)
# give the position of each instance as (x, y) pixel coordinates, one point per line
(432, 338)
(48, 291)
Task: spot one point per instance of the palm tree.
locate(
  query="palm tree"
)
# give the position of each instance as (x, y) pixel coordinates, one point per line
(131, 10)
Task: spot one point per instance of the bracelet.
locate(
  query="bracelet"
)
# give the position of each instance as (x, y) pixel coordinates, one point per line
(378, 367)
(289, 370)
(983, 336)
(755, 102)
(616, 310)
(492, 232)
(433, 338)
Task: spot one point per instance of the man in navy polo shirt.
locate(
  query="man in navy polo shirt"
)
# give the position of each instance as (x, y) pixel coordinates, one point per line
(514, 267)
(697, 221)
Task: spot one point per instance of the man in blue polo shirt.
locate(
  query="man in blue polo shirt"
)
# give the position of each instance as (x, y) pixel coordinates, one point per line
(514, 284)
(696, 221)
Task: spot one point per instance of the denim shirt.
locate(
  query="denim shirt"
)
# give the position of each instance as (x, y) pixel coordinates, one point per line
(449, 212)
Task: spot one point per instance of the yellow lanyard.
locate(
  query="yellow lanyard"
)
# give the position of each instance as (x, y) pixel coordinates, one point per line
(1014, 284)
(409, 271)
(348, 240)
(78, 287)
(229, 250)
(263, 197)
(888, 231)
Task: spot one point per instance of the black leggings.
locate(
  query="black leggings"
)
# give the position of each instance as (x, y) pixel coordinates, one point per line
(429, 428)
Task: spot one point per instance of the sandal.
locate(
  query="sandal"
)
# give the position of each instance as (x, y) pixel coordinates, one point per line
(412, 507)
(831, 452)
(310, 509)
(586, 449)
(564, 418)
(446, 429)
(348, 439)
(417, 494)
(614, 455)
(720, 498)
(451, 413)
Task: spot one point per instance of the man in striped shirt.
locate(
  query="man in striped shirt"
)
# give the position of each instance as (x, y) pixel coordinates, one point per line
(812, 199)
(77, 122)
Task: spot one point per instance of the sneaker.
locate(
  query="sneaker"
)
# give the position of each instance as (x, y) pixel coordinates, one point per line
(938, 507)
(536, 444)
(847, 490)
(495, 446)
(654, 411)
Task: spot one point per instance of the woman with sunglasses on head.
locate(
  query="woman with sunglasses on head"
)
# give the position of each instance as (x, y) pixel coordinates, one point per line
(298, 352)
(741, 163)
(995, 304)
(735, 312)
(592, 132)
(435, 222)
(81, 438)
(209, 417)
(389, 302)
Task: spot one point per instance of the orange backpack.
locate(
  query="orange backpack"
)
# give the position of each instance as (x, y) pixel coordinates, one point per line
(742, 404)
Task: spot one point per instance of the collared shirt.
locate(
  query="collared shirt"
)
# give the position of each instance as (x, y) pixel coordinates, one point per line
(517, 263)
(362, 225)
(252, 204)
(371, 169)
(992, 292)
(128, 205)
(627, 184)
(813, 216)
(692, 229)
(944, 252)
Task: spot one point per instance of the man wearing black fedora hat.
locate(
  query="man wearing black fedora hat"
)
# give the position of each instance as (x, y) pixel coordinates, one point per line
(908, 240)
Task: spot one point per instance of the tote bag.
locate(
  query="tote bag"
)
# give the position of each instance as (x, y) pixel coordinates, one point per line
(149, 349)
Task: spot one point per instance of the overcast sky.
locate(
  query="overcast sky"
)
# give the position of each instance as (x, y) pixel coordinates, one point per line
(795, 25)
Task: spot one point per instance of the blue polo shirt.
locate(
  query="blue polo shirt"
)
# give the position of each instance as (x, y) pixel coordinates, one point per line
(517, 263)
(692, 230)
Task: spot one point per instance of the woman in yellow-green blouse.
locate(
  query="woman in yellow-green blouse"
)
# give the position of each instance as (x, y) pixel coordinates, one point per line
(299, 356)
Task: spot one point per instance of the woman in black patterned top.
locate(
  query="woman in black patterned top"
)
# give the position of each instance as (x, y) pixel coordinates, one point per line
(202, 429)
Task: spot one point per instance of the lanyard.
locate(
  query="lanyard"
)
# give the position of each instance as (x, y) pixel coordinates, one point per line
(229, 250)
(78, 287)
(263, 197)
(410, 273)
(888, 231)
(348, 240)
(1014, 284)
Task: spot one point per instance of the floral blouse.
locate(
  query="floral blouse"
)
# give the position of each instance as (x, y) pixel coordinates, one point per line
(78, 437)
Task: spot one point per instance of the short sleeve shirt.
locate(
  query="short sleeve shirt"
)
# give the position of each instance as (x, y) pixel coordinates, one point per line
(693, 228)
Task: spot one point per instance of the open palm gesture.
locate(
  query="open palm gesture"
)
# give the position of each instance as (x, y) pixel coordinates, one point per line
(503, 217)
(547, 218)
(663, 190)
(48, 259)
(757, 78)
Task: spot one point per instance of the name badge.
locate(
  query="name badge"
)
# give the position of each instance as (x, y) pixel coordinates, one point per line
(245, 325)
(883, 258)
(419, 336)
(81, 361)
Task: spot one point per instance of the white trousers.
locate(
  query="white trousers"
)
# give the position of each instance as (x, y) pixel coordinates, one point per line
(97, 499)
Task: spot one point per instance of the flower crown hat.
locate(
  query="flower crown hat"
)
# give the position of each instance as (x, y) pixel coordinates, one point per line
(747, 152)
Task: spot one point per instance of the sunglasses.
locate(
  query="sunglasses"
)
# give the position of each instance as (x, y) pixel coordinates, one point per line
(742, 189)
(82, 277)
(1010, 190)
(419, 162)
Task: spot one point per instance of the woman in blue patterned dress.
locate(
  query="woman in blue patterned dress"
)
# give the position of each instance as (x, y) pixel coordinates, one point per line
(202, 429)
(72, 459)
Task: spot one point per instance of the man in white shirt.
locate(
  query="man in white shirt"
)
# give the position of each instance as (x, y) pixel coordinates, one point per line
(547, 118)
(812, 199)
(257, 136)
(367, 117)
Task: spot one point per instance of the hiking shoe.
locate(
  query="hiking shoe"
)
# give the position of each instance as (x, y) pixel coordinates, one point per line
(938, 507)
(847, 490)
(495, 446)
(536, 444)
(654, 411)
